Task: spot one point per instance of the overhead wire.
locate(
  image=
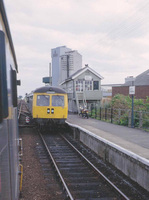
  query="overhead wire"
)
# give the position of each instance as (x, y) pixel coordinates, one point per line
(120, 27)
(122, 30)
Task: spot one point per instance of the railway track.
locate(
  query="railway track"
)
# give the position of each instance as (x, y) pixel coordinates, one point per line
(24, 116)
(80, 178)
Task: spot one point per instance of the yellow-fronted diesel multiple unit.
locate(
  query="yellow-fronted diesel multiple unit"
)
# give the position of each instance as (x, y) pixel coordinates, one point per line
(49, 104)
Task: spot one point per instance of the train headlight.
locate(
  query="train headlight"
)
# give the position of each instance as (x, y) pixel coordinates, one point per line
(48, 110)
(52, 110)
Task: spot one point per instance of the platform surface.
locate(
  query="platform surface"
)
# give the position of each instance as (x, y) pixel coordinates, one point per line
(131, 139)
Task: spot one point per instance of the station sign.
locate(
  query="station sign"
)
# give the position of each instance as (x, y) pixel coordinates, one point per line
(131, 89)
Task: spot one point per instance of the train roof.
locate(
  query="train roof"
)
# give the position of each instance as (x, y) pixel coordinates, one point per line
(49, 89)
(4, 17)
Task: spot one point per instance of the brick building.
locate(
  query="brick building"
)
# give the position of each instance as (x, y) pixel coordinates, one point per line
(141, 84)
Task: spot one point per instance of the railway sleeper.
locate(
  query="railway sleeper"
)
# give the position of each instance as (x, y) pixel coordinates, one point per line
(79, 179)
(78, 175)
(86, 186)
(86, 195)
(74, 168)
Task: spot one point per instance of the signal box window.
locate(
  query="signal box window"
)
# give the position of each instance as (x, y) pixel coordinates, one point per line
(96, 85)
(79, 85)
(43, 100)
(88, 85)
(58, 100)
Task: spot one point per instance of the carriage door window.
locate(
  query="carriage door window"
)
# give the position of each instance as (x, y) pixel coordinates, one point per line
(43, 100)
(58, 100)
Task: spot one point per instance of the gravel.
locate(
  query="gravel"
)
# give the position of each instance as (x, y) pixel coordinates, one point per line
(34, 184)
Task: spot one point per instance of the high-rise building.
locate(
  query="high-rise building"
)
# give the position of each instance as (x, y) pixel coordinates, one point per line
(65, 62)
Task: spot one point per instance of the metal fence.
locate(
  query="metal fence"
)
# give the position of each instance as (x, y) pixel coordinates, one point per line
(120, 116)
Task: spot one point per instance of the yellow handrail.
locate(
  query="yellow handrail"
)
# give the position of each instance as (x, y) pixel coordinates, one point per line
(21, 176)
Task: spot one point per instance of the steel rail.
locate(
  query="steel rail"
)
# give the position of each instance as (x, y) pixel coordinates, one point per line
(111, 184)
(59, 173)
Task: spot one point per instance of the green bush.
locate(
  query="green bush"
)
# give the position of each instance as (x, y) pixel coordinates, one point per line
(121, 106)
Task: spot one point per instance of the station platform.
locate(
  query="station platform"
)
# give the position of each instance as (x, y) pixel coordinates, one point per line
(131, 139)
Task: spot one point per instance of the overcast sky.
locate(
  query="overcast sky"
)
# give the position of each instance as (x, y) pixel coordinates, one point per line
(111, 35)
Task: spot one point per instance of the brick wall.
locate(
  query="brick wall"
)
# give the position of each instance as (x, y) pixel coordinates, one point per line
(141, 92)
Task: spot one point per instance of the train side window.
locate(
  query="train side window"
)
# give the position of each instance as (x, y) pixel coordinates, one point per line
(1, 106)
(14, 87)
(43, 100)
(3, 79)
(58, 100)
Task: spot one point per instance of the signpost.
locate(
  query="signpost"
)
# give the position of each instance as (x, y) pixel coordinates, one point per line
(132, 92)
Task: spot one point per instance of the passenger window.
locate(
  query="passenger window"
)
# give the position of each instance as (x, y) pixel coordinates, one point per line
(43, 100)
(58, 100)
(1, 105)
(3, 79)
(14, 87)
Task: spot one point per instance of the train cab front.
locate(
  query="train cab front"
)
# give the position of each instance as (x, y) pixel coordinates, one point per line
(50, 108)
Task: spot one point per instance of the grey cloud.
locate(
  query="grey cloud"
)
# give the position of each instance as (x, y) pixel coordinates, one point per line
(111, 35)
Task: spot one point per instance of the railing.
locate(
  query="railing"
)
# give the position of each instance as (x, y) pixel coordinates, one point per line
(120, 116)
